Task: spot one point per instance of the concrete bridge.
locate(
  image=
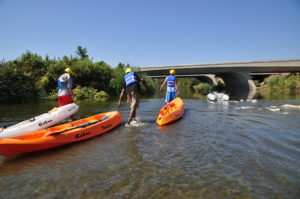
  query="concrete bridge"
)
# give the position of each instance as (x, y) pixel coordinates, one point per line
(237, 76)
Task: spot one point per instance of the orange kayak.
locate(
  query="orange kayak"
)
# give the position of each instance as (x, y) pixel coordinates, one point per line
(171, 112)
(59, 135)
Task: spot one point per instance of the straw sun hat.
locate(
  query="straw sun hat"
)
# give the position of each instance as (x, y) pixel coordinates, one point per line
(64, 77)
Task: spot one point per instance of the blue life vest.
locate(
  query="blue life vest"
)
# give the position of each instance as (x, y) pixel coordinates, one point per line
(171, 81)
(61, 84)
(130, 78)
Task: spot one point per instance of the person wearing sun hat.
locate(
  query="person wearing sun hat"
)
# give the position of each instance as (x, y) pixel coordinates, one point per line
(65, 88)
(131, 87)
(172, 87)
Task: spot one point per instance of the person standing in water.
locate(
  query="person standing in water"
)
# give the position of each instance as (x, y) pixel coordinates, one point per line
(65, 89)
(131, 87)
(172, 87)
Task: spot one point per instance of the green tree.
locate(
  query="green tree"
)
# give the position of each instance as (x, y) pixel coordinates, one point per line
(116, 82)
(16, 86)
(31, 64)
(81, 52)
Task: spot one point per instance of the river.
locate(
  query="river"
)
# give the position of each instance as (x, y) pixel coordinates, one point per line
(238, 149)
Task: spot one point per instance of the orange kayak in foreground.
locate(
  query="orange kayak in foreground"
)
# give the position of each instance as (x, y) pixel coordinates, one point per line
(171, 112)
(59, 135)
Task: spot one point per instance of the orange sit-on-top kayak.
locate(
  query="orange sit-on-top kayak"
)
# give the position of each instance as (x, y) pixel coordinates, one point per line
(170, 112)
(59, 135)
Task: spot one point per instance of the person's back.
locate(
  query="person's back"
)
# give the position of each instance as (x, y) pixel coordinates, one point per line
(172, 87)
(64, 83)
(171, 81)
(65, 88)
(131, 87)
(131, 82)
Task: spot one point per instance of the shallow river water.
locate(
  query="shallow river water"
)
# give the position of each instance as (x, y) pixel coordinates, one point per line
(248, 149)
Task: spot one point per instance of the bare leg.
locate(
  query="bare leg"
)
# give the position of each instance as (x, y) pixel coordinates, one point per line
(131, 115)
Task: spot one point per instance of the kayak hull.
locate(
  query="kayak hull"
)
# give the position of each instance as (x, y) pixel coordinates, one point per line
(60, 135)
(45, 120)
(171, 112)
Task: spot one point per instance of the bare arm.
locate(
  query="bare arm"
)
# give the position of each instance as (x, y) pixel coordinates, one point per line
(177, 88)
(121, 96)
(163, 85)
(71, 92)
(70, 87)
(144, 82)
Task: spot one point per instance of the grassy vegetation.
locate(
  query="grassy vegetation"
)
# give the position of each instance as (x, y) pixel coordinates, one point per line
(277, 86)
(203, 88)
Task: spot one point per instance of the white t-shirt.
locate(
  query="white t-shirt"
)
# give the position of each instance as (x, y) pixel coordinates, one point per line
(65, 90)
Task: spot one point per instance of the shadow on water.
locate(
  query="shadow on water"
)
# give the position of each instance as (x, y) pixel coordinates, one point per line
(242, 95)
(62, 154)
(14, 164)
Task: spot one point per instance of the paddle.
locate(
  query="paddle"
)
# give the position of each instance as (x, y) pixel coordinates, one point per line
(79, 126)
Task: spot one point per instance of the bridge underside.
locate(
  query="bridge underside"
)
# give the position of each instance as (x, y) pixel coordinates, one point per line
(236, 75)
(237, 83)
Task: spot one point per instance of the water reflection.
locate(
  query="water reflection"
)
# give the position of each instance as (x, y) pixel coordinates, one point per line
(253, 94)
(216, 150)
(15, 164)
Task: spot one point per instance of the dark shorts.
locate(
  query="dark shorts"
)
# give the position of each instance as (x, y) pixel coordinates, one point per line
(64, 100)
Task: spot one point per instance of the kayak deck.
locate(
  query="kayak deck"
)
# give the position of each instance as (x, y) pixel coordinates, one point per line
(59, 135)
(171, 112)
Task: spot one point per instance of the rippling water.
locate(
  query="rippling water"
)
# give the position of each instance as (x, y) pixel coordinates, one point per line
(217, 150)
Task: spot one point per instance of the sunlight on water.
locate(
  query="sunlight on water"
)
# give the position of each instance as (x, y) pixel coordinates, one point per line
(137, 122)
(235, 149)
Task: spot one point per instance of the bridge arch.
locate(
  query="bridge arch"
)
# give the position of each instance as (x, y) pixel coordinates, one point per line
(210, 79)
(238, 83)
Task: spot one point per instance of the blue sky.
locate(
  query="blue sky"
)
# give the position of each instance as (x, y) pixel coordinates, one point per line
(152, 32)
